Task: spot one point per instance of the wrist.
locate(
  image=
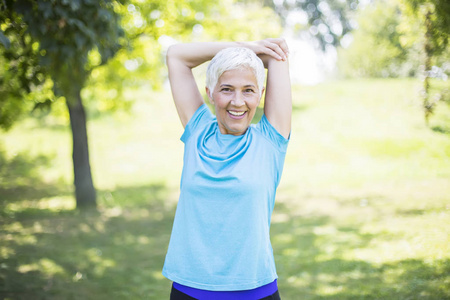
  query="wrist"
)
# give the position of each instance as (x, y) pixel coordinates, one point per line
(241, 44)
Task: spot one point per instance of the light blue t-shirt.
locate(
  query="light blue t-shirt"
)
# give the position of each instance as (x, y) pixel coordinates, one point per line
(220, 237)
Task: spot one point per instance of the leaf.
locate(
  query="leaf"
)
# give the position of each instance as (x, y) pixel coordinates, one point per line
(61, 12)
(80, 40)
(22, 7)
(45, 8)
(83, 28)
(43, 107)
(75, 5)
(43, 28)
(4, 40)
(105, 14)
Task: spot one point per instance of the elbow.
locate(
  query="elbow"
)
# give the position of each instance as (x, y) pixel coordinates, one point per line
(177, 55)
(173, 52)
(170, 53)
(174, 55)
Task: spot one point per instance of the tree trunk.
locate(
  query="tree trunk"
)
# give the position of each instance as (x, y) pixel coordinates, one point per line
(85, 193)
(427, 104)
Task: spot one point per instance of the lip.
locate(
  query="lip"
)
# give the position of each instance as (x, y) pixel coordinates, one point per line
(237, 117)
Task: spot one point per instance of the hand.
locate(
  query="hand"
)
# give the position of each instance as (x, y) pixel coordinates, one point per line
(272, 47)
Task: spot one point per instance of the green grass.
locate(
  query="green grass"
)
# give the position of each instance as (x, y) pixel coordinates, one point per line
(362, 210)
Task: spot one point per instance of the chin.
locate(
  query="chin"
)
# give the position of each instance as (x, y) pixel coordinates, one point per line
(239, 131)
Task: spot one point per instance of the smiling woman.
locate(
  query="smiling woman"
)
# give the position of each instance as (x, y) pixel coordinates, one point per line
(220, 245)
(235, 97)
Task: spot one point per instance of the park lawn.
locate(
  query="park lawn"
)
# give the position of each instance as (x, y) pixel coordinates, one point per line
(362, 211)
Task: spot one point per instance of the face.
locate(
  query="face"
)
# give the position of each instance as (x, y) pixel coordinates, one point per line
(235, 98)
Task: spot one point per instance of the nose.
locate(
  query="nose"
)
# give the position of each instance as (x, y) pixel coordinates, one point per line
(238, 100)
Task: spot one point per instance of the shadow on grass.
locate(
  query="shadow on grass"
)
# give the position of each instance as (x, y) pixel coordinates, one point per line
(22, 185)
(53, 252)
(441, 129)
(310, 252)
(20, 178)
(117, 253)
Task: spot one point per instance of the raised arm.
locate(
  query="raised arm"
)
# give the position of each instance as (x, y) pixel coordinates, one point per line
(278, 100)
(182, 58)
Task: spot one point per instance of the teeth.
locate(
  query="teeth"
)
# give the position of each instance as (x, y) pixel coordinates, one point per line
(236, 113)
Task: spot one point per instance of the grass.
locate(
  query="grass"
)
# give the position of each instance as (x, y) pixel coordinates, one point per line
(362, 210)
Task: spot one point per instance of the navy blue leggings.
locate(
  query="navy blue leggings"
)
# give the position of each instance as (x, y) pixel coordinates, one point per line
(177, 295)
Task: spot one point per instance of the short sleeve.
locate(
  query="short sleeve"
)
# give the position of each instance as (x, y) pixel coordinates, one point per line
(200, 118)
(268, 131)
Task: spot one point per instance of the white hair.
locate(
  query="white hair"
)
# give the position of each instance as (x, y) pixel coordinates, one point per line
(234, 58)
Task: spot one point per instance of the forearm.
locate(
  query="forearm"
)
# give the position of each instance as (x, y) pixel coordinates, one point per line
(194, 54)
(278, 78)
(278, 100)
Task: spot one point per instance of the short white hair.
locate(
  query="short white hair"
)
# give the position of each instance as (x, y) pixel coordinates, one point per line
(234, 58)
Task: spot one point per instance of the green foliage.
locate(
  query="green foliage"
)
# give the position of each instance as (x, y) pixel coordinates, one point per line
(243, 22)
(49, 47)
(377, 49)
(440, 19)
(391, 39)
(412, 32)
(24, 84)
(150, 27)
(328, 20)
(67, 31)
(110, 47)
(433, 17)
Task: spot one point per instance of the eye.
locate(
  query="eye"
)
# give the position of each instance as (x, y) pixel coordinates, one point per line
(225, 89)
(249, 91)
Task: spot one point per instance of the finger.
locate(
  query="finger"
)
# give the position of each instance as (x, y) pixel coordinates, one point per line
(284, 46)
(276, 50)
(272, 53)
(281, 42)
(265, 47)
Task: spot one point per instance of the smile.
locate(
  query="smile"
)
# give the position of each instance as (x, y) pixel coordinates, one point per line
(236, 114)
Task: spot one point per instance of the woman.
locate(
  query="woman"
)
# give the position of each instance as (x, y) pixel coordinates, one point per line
(220, 246)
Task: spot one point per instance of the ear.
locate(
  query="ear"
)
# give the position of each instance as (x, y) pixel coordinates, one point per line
(209, 95)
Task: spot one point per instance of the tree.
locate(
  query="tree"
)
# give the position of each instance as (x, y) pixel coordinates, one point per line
(59, 36)
(377, 49)
(437, 12)
(434, 17)
(401, 38)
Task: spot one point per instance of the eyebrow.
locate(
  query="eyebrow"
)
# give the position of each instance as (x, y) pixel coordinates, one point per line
(245, 86)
